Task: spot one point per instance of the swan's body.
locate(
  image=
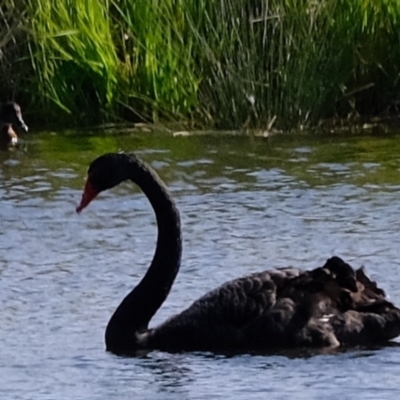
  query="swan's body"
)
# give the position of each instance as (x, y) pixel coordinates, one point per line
(329, 306)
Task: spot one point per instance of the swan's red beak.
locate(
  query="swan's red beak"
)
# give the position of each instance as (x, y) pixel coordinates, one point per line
(89, 193)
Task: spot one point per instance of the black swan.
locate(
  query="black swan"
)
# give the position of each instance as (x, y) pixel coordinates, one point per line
(330, 306)
(10, 115)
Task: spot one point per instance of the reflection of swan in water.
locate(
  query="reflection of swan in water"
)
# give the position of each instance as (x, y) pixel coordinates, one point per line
(170, 373)
(326, 307)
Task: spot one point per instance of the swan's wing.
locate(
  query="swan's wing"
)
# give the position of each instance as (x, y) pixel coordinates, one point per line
(263, 310)
(368, 287)
(243, 300)
(284, 308)
(278, 294)
(364, 316)
(363, 328)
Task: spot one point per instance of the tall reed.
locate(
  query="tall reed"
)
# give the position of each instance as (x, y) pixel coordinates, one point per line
(13, 18)
(295, 61)
(225, 64)
(73, 56)
(157, 71)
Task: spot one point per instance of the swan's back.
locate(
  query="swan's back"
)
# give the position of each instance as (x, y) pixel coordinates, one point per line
(326, 307)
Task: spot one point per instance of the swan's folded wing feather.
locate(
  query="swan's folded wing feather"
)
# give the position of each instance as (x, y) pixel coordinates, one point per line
(283, 308)
(248, 312)
(358, 328)
(242, 300)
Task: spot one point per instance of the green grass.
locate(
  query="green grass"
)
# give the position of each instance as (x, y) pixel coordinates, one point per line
(232, 64)
(73, 56)
(157, 74)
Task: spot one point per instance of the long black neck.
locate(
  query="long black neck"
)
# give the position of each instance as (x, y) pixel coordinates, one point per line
(136, 310)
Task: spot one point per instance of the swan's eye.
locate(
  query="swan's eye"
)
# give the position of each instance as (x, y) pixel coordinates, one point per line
(101, 178)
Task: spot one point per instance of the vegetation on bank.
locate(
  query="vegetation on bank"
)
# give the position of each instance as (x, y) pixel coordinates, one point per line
(229, 64)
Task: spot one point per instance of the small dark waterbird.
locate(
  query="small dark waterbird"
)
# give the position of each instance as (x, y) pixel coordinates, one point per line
(10, 116)
(330, 306)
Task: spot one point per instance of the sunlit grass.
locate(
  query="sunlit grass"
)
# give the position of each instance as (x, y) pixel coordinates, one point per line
(73, 55)
(232, 64)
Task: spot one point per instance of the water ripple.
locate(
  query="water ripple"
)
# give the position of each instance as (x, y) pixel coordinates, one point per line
(246, 206)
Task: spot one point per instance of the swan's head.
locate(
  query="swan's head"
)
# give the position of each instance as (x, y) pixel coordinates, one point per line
(104, 173)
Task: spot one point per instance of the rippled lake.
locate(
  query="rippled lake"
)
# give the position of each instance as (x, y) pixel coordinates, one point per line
(247, 204)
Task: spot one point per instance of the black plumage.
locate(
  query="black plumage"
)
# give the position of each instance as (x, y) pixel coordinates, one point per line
(330, 306)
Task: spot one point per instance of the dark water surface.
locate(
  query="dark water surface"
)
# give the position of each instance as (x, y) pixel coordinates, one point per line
(247, 204)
